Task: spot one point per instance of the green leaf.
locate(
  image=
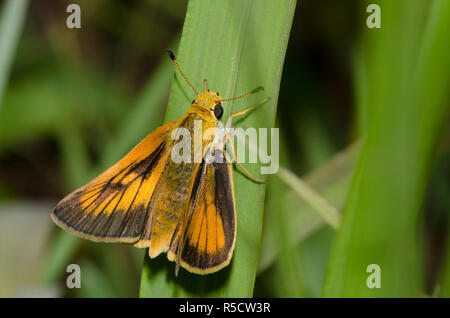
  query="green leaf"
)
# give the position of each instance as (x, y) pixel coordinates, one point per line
(407, 85)
(236, 46)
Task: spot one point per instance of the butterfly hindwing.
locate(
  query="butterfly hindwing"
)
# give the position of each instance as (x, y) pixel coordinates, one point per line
(114, 206)
(210, 229)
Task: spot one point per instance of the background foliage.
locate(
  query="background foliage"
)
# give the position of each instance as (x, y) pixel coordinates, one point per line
(363, 117)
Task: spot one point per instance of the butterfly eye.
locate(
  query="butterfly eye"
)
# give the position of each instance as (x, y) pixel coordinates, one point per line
(218, 111)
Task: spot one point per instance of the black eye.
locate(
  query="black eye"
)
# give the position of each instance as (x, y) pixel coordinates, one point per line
(218, 111)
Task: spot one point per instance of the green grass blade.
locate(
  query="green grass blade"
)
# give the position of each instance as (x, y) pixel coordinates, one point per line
(236, 46)
(408, 71)
(285, 277)
(331, 180)
(11, 22)
(328, 212)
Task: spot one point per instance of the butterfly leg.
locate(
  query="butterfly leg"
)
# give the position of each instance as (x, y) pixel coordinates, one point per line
(228, 137)
(245, 111)
(248, 173)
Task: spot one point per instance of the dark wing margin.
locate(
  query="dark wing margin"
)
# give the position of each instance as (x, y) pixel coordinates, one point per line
(114, 206)
(210, 232)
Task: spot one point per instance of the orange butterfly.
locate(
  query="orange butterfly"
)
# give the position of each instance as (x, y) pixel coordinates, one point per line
(186, 209)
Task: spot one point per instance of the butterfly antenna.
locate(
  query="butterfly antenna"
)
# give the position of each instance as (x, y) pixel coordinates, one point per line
(173, 58)
(259, 88)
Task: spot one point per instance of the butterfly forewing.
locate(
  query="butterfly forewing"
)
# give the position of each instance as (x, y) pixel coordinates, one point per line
(114, 206)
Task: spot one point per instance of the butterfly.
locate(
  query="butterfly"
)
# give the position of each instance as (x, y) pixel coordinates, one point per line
(186, 209)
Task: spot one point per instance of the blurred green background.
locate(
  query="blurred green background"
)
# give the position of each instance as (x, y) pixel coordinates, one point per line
(363, 117)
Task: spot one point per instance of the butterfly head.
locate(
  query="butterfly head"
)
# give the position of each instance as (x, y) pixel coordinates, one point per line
(211, 101)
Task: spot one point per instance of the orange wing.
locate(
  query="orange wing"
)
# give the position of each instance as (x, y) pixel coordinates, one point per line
(114, 206)
(209, 232)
